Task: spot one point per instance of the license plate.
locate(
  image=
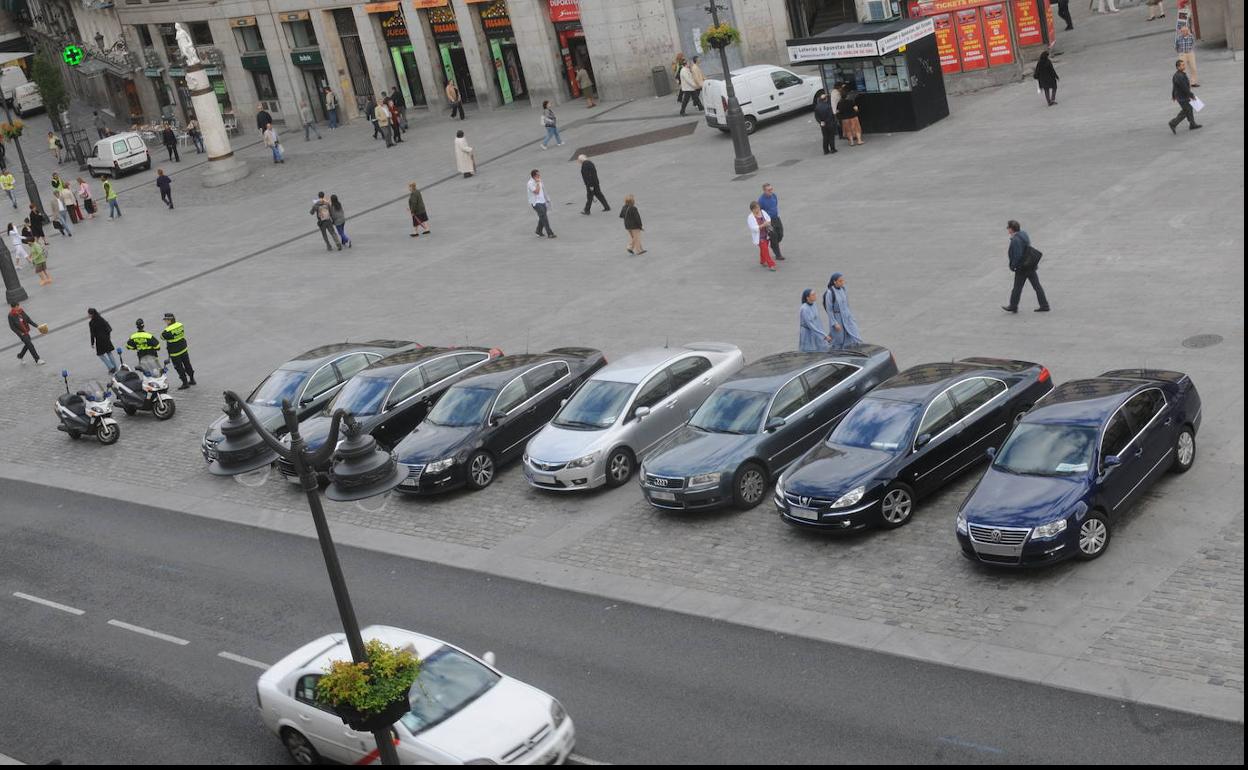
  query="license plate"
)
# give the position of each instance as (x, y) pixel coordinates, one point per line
(669, 496)
(409, 483)
(803, 513)
(542, 478)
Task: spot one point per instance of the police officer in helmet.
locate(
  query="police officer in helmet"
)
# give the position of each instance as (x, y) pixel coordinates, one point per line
(175, 339)
(143, 343)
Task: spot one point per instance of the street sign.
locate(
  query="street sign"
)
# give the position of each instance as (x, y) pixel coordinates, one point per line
(72, 55)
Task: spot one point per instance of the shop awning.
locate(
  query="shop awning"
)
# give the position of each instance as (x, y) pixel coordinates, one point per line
(852, 41)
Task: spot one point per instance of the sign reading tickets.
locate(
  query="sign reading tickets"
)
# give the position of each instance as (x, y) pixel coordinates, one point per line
(905, 37)
(997, 32)
(946, 44)
(847, 49)
(1027, 23)
(971, 40)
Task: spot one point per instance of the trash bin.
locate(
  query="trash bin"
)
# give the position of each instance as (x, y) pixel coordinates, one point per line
(662, 81)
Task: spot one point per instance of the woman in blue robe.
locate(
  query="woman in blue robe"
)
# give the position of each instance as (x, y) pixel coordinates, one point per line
(810, 336)
(842, 326)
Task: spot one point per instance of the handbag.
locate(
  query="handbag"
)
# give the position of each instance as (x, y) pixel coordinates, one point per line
(1031, 258)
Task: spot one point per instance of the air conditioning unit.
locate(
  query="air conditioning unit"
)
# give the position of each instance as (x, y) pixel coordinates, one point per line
(877, 10)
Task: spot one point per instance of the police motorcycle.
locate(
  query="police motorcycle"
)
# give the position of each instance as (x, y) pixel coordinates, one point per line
(144, 386)
(89, 410)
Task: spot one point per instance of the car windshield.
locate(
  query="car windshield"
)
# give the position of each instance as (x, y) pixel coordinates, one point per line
(362, 395)
(449, 680)
(282, 384)
(731, 411)
(595, 406)
(876, 423)
(461, 407)
(1034, 449)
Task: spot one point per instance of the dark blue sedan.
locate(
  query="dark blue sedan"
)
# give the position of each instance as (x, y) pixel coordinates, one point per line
(1077, 461)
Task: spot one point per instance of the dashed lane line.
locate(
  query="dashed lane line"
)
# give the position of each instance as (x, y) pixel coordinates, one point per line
(48, 603)
(149, 632)
(244, 661)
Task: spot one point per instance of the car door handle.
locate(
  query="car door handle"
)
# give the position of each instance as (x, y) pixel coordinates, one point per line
(706, 380)
(1169, 420)
(672, 405)
(1138, 452)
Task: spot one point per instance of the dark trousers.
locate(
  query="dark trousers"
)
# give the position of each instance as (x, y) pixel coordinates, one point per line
(1063, 10)
(385, 134)
(329, 234)
(396, 132)
(457, 107)
(829, 137)
(685, 96)
(776, 235)
(1022, 276)
(173, 152)
(542, 222)
(594, 191)
(27, 345)
(182, 364)
(1185, 112)
(1050, 94)
(376, 129)
(167, 197)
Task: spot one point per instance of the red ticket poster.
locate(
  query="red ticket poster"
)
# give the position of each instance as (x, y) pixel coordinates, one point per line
(971, 40)
(997, 32)
(1048, 12)
(1027, 23)
(946, 44)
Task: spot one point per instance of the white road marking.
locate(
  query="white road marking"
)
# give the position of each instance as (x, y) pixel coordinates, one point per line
(53, 605)
(148, 632)
(578, 759)
(244, 661)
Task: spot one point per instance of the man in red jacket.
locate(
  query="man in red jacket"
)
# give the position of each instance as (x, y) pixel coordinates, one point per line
(21, 324)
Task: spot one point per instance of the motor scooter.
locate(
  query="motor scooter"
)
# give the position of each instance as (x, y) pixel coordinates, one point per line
(145, 386)
(87, 411)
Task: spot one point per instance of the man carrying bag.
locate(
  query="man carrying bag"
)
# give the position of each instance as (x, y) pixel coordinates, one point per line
(1024, 260)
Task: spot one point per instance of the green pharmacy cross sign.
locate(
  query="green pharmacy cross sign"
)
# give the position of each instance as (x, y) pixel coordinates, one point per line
(72, 55)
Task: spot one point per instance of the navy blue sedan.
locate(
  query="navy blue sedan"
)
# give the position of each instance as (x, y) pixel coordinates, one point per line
(1075, 463)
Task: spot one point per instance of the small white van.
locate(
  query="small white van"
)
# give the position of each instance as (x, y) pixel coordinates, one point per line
(117, 154)
(26, 99)
(764, 91)
(10, 79)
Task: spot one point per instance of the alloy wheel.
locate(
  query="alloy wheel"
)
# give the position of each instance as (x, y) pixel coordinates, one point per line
(896, 507)
(1187, 448)
(300, 749)
(620, 468)
(1092, 536)
(752, 486)
(482, 470)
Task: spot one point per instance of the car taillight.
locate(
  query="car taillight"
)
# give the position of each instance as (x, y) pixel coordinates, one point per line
(1044, 374)
(495, 352)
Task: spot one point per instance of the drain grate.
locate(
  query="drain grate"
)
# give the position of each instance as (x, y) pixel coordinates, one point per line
(1202, 341)
(789, 162)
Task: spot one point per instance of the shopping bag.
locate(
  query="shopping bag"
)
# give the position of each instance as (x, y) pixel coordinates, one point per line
(1197, 104)
(43, 328)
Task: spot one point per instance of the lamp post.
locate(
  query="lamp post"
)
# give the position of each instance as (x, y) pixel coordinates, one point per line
(360, 471)
(743, 158)
(13, 290)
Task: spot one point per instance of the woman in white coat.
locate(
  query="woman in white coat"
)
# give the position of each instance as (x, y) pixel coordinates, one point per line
(465, 161)
(18, 246)
(760, 231)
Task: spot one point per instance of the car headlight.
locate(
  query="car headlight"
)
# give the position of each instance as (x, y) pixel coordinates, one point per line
(850, 497)
(437, 466)
(961, 523)
(584, 462)
(557, 714)
(1050, 529)
(704, 480)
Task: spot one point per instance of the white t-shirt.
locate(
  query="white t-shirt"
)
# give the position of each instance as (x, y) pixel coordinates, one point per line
(536, 196)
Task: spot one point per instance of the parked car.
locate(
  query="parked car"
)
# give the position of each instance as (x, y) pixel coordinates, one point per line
(27, 100)
(764, 92)
(308, 381)
(464, 710)
(1075, 463)
(483, 421)
(391, 396)
(906, 439)
(10, 79)
(622, 412)
(756, 424)
(119, 154)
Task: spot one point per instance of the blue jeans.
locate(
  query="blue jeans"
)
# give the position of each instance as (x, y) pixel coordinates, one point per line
(12, 197)
(113, 208)
(552, 132)
(310, 127)
(342, 234)
(64, 217)
(333, 117)
(277, 153)
(108, 360)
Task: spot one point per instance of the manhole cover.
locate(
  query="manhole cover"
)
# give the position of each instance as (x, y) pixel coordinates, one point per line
(1202, 341)
(789, 162)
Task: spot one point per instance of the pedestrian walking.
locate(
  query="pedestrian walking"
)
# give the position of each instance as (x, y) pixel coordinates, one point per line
(196, 134)
(771, 204)
(396, 120)
(274, 144)
(1106, 6)
(1024, 259)
(18, 246)
(540, 202)
(589, 175)
(455, 99)
(71, 203)
(759, 223)
(55, 147)
(810, 335)
(325, 221)
(165, 185)
(550, 122)
(263, 119)
(170, 140)
(339, 216)
(39, 258)
(586, 84)
(826, 118)
(84, 195)
(699, 79)
(308, 119)
(400, 104)
(1181, 92)
(465, 160)
(847, 114)
(381, 115)
(632, 224)
(8, 183)
(689, 88)
(1156, 9)
(842, 326)
(174, 335)
(20, 324)
(1046, 77)
(370, 111)
(331, 108)
(110, 195)
(1063, 10)
(101, 333)
(62, 214)
(1185, 47)
(101, 128)
(416, 205)
(37, 220)
(143, 342)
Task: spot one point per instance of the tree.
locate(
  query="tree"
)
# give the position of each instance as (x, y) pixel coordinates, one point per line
(47, 76)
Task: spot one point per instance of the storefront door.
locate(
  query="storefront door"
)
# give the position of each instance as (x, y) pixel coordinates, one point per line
(314, 84)
(455, 67)
(508, 74)
(407, 76)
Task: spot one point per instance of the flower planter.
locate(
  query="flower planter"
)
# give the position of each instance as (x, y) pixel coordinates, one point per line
(373, 721)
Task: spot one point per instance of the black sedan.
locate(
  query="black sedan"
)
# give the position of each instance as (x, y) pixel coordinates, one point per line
(308, 381)
(484, 421)
(906, 439)
(757, 423)
(392, 396)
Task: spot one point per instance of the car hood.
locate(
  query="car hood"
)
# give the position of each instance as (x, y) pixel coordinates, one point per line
(553, 444)
(506, 716)
(270, 418)
(832, 470)
(1013, 500)
(691, 451)
(433, 442)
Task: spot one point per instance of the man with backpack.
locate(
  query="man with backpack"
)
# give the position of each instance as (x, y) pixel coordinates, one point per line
(325, 221)
(1024, 259)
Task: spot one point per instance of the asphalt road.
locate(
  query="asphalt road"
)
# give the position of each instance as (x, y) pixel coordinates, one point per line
(644, 686)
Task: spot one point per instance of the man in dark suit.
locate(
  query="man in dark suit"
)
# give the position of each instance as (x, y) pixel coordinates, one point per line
(263, 118)
(826, 118)
(1019, 244)
(1181, 92)
(589, 175)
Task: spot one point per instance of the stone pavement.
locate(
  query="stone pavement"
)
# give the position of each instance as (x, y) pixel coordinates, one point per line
(1143, 236)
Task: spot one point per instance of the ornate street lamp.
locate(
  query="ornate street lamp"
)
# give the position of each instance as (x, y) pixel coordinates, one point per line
(360, 471)
(13, 291)
(743, 158)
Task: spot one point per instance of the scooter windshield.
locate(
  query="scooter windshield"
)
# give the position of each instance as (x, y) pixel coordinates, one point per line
(150, 366)
(93, 391)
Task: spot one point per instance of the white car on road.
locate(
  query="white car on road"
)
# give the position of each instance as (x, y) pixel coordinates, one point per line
(764, 92)
(463, 709)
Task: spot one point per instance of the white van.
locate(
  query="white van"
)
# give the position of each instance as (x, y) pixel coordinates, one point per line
(26, 99)
(117, 154)
(763, 91)
(10, 79)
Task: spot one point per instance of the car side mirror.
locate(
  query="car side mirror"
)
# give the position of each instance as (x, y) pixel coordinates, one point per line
(641, 412)
(488, 657)
(991, 452)
(775, 422)
(498, 418)
(922, 441)
(1112, 461)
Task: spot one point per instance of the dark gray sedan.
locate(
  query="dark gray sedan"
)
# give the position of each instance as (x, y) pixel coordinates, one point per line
(757, 423)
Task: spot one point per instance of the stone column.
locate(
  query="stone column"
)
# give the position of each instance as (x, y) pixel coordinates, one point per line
(223, 166)
(480, 64)
(539, 50)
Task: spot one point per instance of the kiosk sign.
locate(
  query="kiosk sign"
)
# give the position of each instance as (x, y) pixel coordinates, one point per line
(971, 40)
(1027, 23)
(946, 44)
(905, 37)
(847, 49)
(997, 31)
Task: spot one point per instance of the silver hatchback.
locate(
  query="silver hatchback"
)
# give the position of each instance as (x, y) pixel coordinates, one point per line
(623, 411)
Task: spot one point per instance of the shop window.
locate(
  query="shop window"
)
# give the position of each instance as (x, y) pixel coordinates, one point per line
(249, 40)
(200, 34)
(145, 35)
(263, 81)
(886, 74)
(299, 34)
